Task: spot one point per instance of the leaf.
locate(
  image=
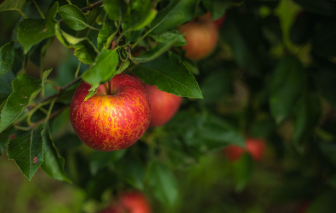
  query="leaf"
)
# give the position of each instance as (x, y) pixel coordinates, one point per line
(156, 52)
(242, 169)
(85, 51)
(106, 34)
(163, 183)
(4, 139)
(169, 74)
(53, 163)
(116, 10)
(5, 85)
(103, 69)
(33, 31)
(26, 151)
(12, 5)
(25, 89)
(39, 51)
(216, 8)
(175, 14)
(169, 35)
(323, 203)
(123, 66)
(286, 85)
(100, 160)
(73, 17)
(7, 56)
(243, 37)
(307, 117)
(142, 14)
(46, 74)
(91, 20)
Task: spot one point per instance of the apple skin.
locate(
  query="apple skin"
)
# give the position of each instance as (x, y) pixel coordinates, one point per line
(255, 147)
(111, 122)
(201, 35)
(164, 105)
(135, 202)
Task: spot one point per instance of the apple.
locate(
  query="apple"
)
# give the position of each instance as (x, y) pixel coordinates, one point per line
(201, 35)
(115, 117)
(255, 147)
(164, 105)
(114, 209)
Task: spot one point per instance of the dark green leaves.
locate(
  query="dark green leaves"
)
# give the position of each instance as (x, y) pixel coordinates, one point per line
(169, 74)
(25, 88)
(287, 83)
(53, 163)
(4, 139)
(168, 35)
(142, 14)
(106, 34)
(73, 17)
(103, 69)
(163, 183)
(26, 150)
(12, 5)
(176, 13)
(100, 160)
(33, 31)
(7, 56)
(243, 169)
(116, 9)
(216, 7)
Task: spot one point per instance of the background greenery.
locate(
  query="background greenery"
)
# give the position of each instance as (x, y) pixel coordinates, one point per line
(272, 76)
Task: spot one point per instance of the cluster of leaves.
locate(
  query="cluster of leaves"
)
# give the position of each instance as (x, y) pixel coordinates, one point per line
(257, 54)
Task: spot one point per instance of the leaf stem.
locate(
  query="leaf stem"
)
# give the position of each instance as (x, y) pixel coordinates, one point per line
(22, 14)
(50, 108)
(39, 10)
(78, 68)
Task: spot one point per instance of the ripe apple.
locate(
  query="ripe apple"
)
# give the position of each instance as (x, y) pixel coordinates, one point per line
(201, 35)
(135, 202)
(115, 117)
(164, 105)
(255, 147)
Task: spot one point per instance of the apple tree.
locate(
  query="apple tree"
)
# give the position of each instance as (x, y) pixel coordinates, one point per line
(248, 70)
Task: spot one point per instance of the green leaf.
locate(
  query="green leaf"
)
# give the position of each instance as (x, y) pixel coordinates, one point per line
(103, 69)
(33, 31)
(169, 74)
(163, 183)
(156, 52)
(25, 89)
(85, 51)
(286, 85)
(243, 169)
(91, 19)
(106, 34)
(216, 8)
(4, 139)
(142, 14)
(169, 35)
(307, 116)
(5, 85)
(12, 5)
(46, 74)
(73, 17)
(39, 51)
(117, 10)
(53, 163)
(324, 203)
(7, 56)
(100, 160)
(26, 151)
(175, 14)
(123, 66)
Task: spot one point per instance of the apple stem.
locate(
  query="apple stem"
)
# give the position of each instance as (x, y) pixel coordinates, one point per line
(110, 87)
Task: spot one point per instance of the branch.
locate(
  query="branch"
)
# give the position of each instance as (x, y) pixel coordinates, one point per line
(60, 91)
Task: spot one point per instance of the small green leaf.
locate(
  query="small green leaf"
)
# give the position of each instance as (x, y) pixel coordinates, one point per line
(169, 74)
(26, 151)
(92, 91)
(25, 89)
(4, 139)
(142, 14)
(103, 69)
(162, 182)
(73, 17)
(46, 74)
(216, 8)
(286, 85)
(123, 66)
(100, 160)
(106, 34)
(33, 31)
(243, 169)
(117, 10)
(85, 51)
(12, 5)
(175, 14)
(168, 35)
(53, 163)
(91, 19)
(156, 52)
(7, 56)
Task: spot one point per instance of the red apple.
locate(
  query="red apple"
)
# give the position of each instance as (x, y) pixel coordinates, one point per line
(255, 147)
(164, 105)
(135, 202)
(115, 117)
(201, 35)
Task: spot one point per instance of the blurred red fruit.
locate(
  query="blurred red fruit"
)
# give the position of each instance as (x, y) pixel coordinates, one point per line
(255, 147)
(219, 22)
(135, 202)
